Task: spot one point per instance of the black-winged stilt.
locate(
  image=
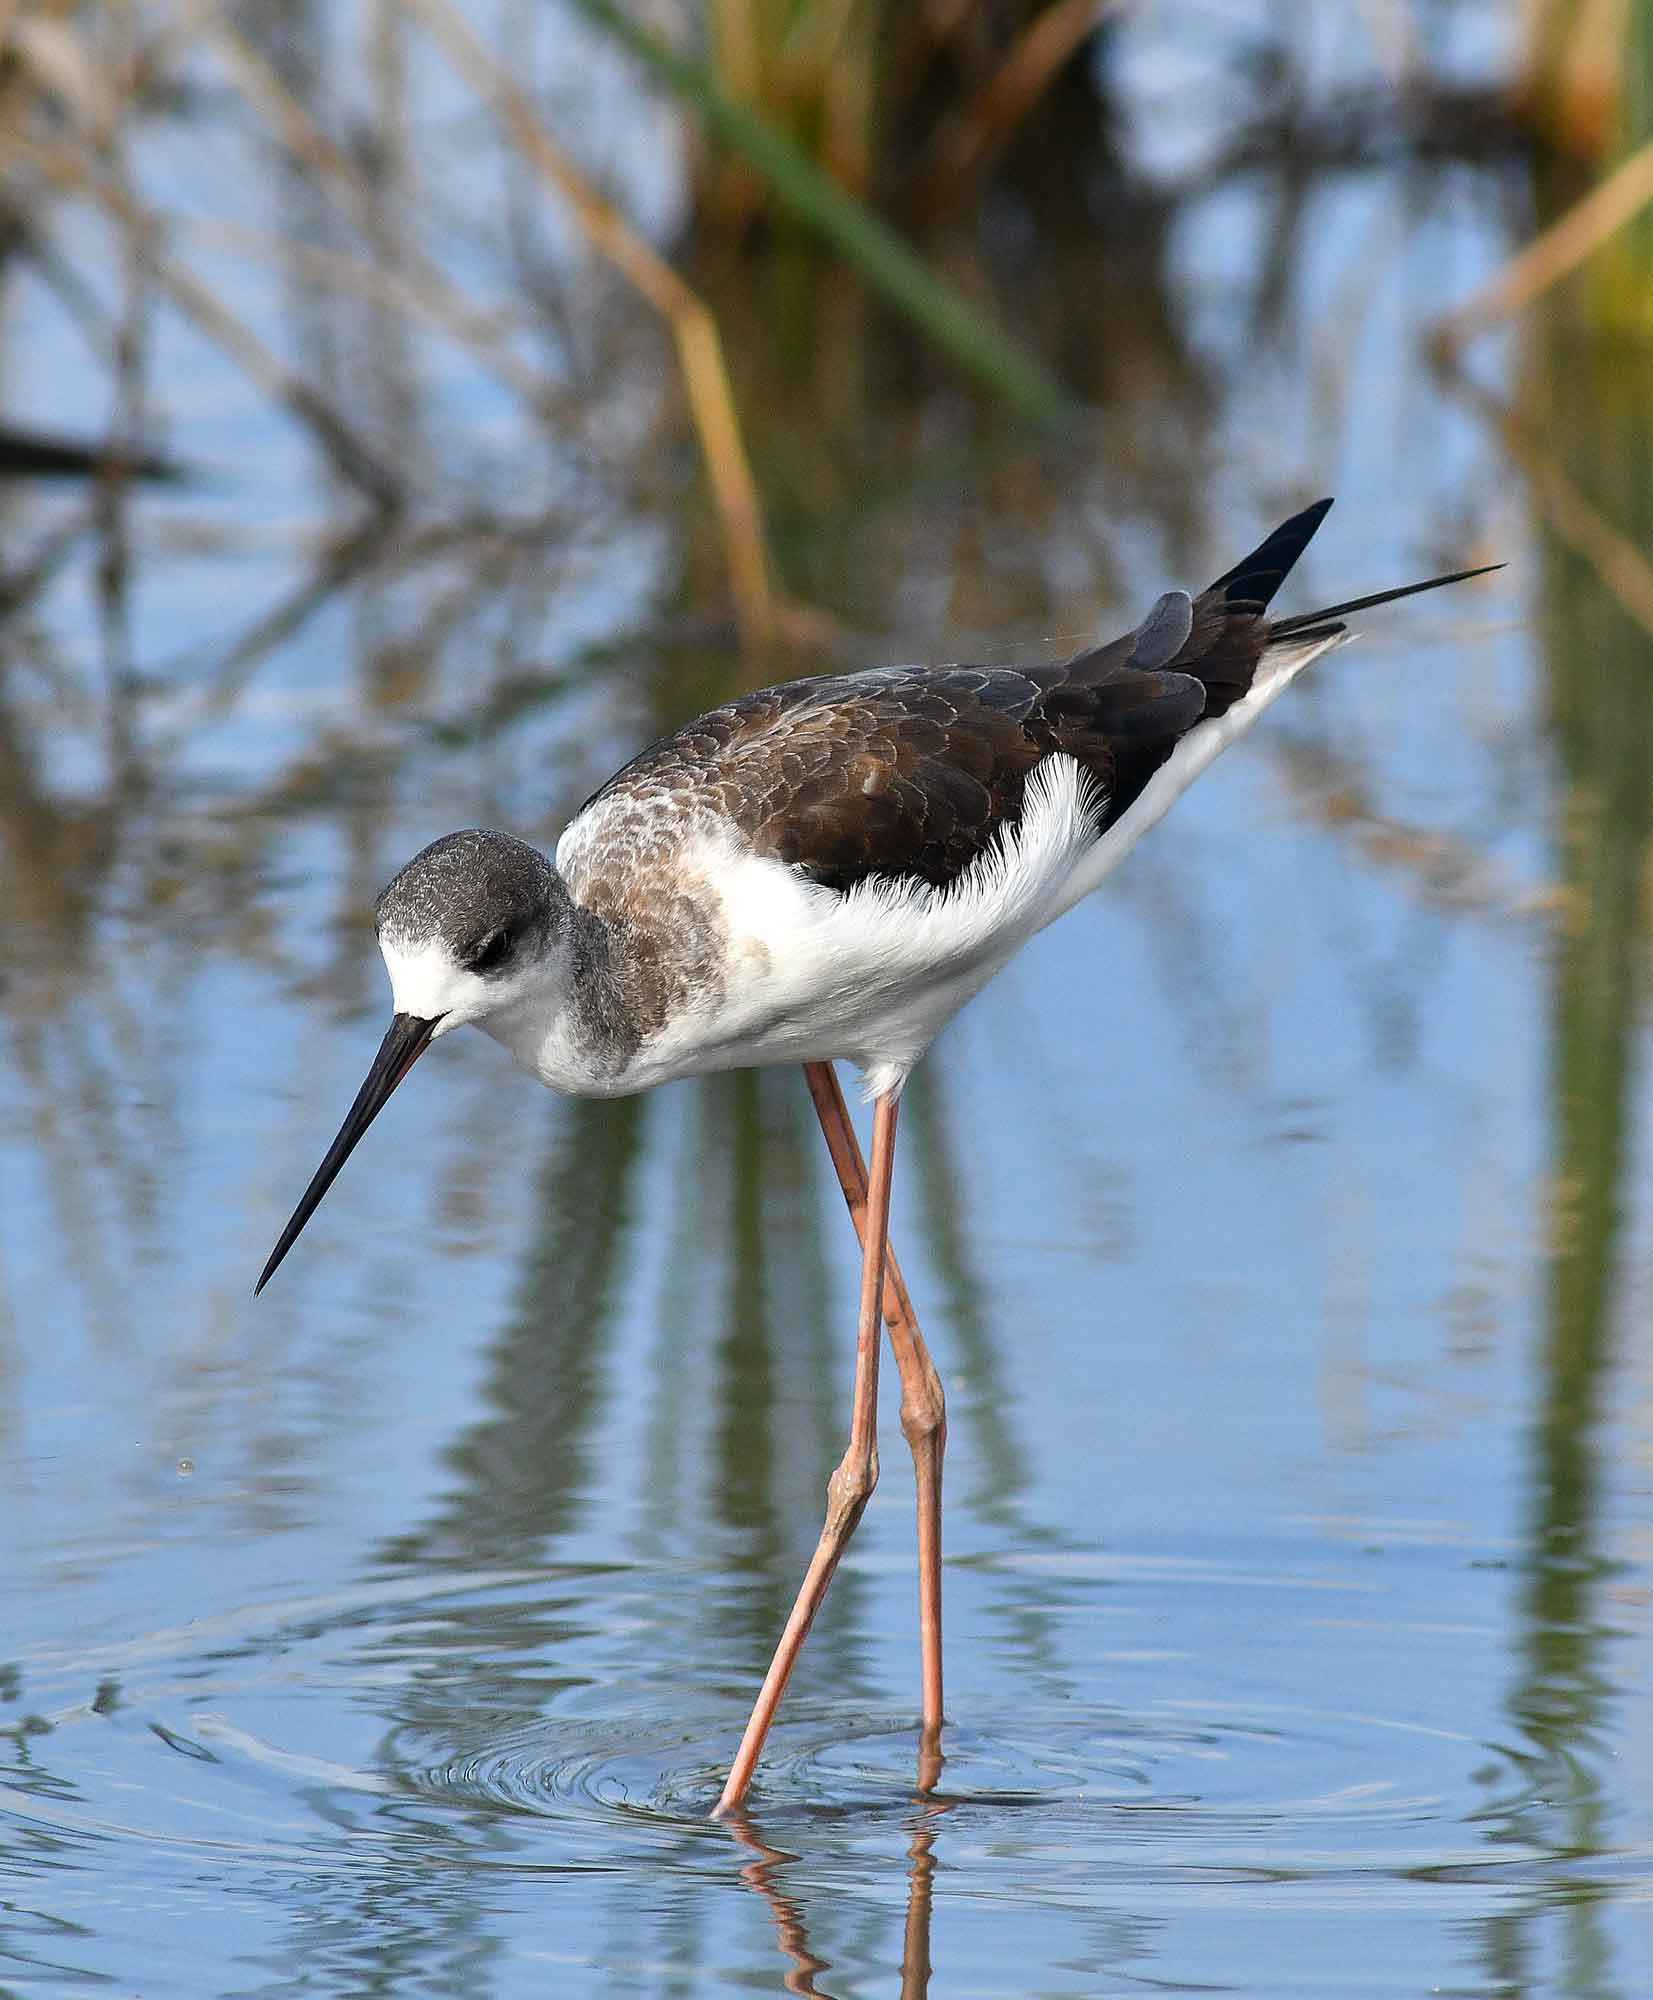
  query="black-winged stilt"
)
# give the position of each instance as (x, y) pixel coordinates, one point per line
(831, 869)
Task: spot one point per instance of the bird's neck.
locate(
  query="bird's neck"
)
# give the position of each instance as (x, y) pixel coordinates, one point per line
(580, 1028)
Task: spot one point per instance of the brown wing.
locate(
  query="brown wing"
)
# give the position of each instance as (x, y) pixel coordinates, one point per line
(912, 771)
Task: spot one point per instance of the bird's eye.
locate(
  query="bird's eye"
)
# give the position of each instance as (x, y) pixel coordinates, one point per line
(493, 951)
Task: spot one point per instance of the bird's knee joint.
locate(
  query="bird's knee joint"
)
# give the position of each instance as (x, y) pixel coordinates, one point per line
(924, 1414)
(851, 1485)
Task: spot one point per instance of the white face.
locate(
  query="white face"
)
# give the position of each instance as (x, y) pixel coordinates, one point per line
(426, 980)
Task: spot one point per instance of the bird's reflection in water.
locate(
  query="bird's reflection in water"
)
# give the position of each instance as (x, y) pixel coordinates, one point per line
(915, 1935)
(762, 1874)
(791, 1931)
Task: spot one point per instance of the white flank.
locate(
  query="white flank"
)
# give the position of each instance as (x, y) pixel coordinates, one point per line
(874, 974)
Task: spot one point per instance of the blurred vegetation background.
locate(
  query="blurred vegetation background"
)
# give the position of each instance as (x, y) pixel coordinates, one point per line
(686, 333)
(831, 230)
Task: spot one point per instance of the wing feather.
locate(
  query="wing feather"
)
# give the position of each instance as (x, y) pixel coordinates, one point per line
(913, 772)
(908, 772)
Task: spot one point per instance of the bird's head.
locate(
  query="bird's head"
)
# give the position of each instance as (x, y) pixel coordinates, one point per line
(476, 924)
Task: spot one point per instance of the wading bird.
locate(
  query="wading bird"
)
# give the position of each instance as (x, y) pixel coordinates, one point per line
(831, 869)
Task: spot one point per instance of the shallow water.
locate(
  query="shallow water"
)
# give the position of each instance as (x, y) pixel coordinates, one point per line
(1279, 1220)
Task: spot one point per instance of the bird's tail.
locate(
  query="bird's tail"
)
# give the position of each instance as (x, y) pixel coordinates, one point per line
(1250, 585)
(1233, 610)
(1244, 660)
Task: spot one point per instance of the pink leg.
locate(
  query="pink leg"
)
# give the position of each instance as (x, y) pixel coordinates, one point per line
(850, 1487)
(923, 1407)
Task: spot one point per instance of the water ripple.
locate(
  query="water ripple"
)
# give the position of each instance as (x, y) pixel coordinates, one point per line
(1243, 1790)
(260, 1738)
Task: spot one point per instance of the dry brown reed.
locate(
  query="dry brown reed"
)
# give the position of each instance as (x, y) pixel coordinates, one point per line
(693, 327)
(65, 104)
(1554, 253)
(970, 137)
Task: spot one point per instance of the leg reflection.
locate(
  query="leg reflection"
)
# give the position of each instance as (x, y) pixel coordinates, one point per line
(762, 1873)
(915, 1938)
(791, 1932)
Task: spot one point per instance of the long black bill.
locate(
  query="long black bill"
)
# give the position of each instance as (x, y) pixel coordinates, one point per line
(407, 1041)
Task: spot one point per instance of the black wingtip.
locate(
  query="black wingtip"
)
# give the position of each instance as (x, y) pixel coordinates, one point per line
(1300, 624)
(1256, 577)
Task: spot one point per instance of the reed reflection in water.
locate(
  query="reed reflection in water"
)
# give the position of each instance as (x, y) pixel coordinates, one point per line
(1280, 1221)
